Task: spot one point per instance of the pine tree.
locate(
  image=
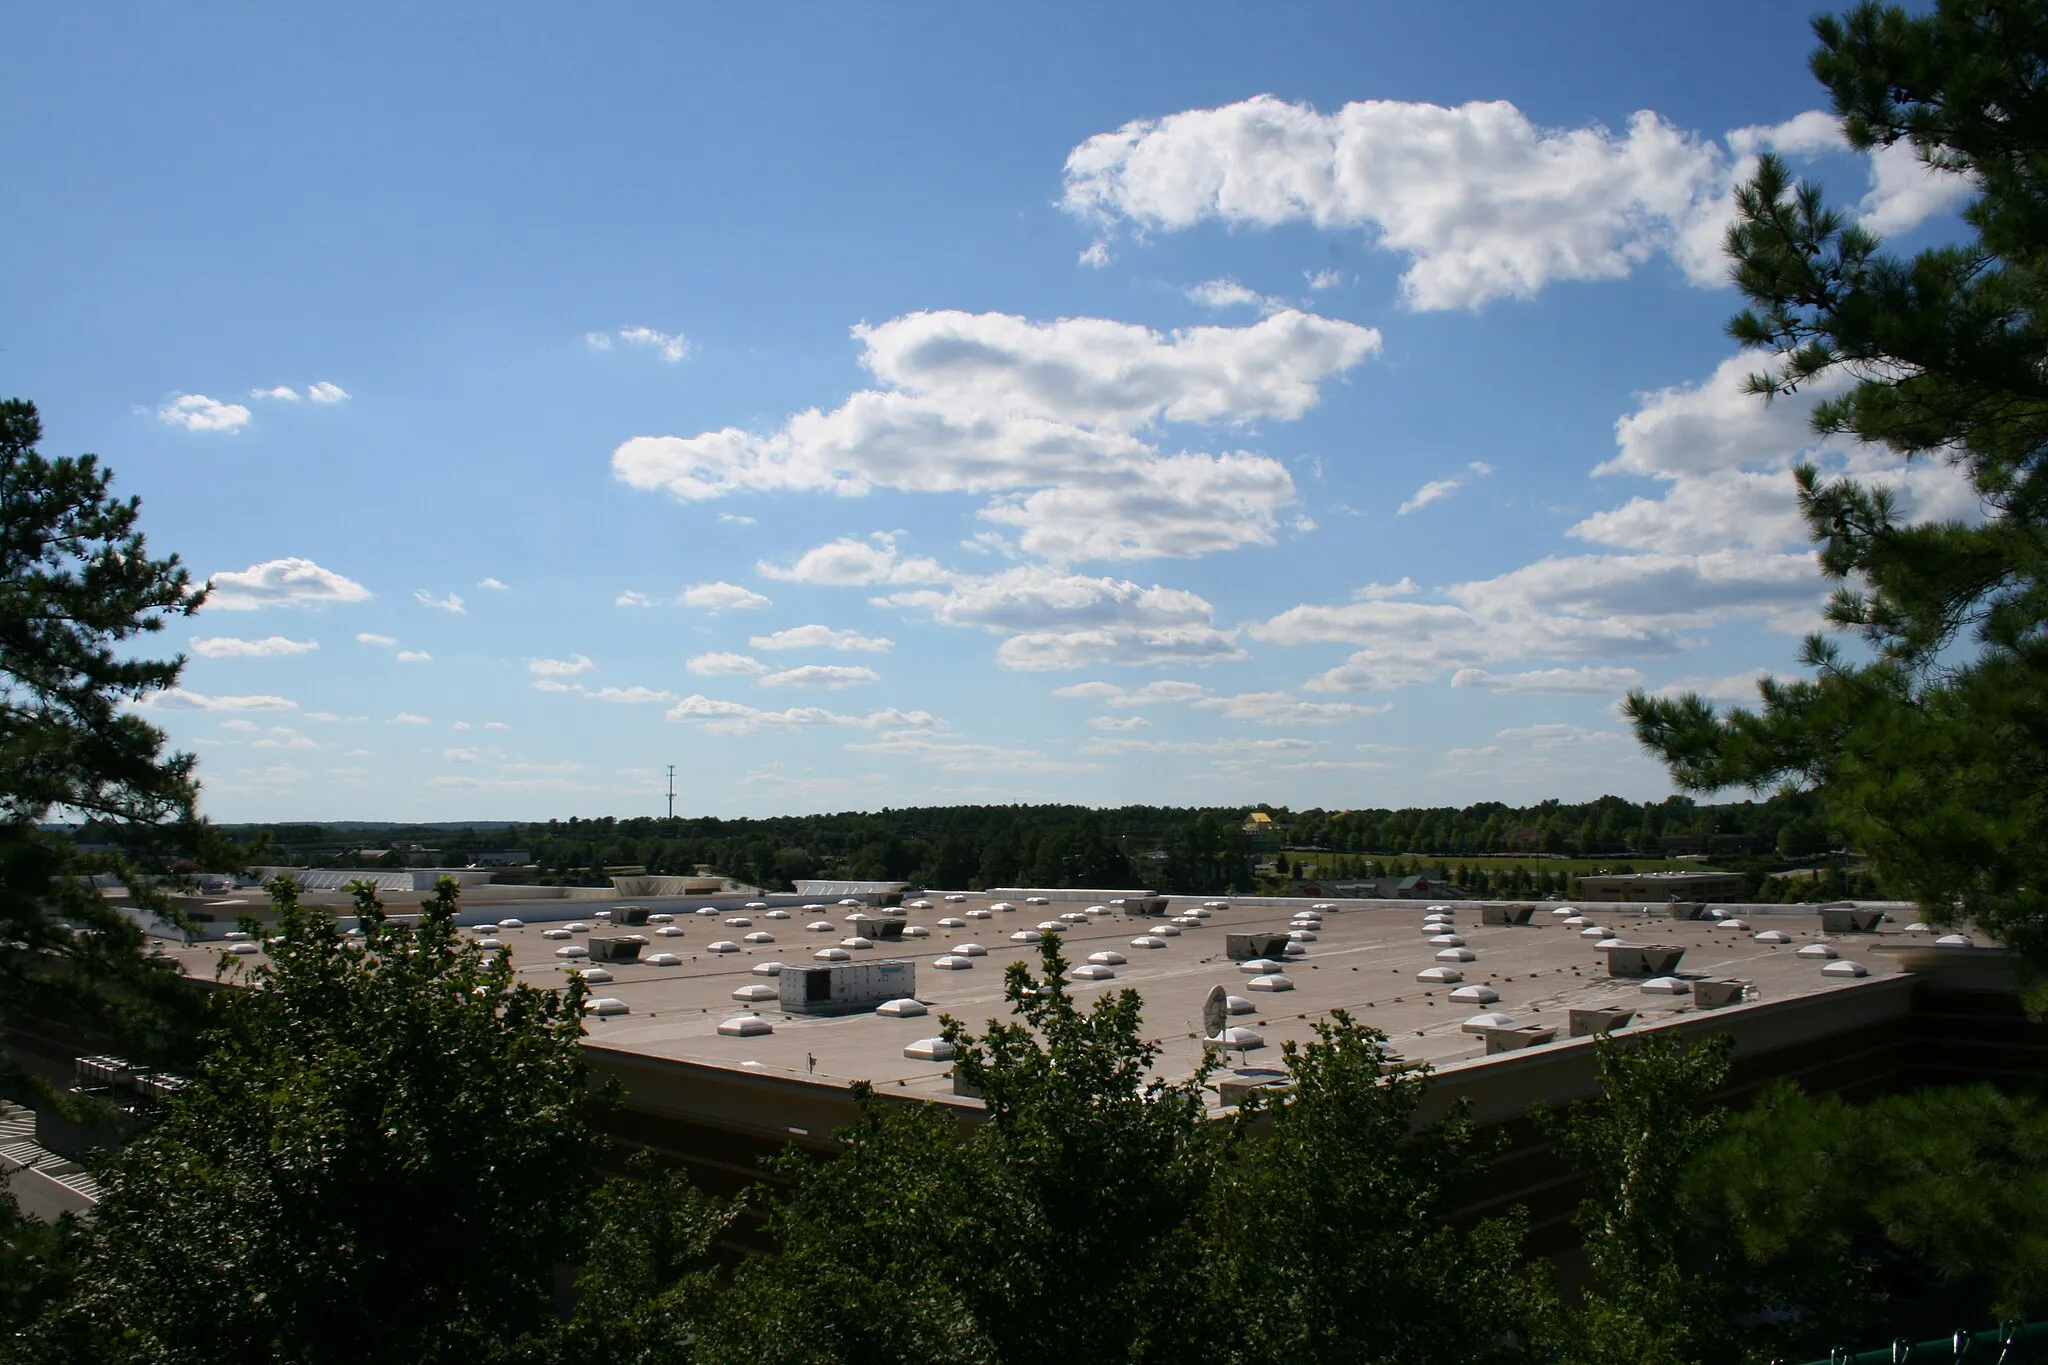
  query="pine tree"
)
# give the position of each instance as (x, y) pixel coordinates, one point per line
(1931, 753)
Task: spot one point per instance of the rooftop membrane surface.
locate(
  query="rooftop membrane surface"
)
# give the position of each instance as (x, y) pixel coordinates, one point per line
(1362, 960)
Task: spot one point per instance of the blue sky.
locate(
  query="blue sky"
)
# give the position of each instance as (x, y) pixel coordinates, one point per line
(888, 405)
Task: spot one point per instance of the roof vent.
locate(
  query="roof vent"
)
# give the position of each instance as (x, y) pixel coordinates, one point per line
(1584, 1022)
(1514, 1039)
(1713, 995)
(1506, 914)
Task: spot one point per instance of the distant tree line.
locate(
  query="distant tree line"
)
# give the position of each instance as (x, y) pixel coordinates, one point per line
(1170, 848)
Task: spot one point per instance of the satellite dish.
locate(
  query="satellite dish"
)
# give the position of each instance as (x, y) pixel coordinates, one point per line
(1215, 1011)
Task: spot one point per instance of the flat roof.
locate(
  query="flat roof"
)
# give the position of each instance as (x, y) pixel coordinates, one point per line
(1363, 959)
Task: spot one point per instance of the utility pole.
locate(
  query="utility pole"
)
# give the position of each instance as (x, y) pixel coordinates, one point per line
(671, 791)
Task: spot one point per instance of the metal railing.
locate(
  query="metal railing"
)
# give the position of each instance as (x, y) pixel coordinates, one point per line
(2009, 1343)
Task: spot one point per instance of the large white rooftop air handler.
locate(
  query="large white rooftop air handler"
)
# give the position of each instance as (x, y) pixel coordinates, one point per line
(845, 987)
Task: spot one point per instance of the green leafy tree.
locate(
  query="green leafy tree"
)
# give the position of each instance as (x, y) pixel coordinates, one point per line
(383, 1156)
(78, 588)
(649, 1281)
(1334, 1238)
(1061, 1227)
(1656, 1299)
(1929, 751)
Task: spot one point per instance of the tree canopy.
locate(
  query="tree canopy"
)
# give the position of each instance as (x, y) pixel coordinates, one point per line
(1927, 744)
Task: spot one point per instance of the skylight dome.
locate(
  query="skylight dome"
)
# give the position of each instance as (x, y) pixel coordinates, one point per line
(745, 1026)
(906, 1008)
(724, 945)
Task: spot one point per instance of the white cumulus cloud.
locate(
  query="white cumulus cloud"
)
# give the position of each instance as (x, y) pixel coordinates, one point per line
(726, 665)
(570, 667)
(197, 412)
(736, 718)
(1052, 620)
(179, 699)
(722, 597)
(823, 637)
(832, 677)
(269, 647)
(850, 562)
(450, 603)
(1482, 201)
(671, 346)
(1050, 420)
(288, 582)
(324, 392)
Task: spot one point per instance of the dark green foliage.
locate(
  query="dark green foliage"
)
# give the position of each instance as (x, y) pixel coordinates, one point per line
(1957, 1177)
(1062, 1227)
(383, 1157)
(77, 589)
(649, 1280)
(1333, 1238)
(1656, 1298)
(1930, 755)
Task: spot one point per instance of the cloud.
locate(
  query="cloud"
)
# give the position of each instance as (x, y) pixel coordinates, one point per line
(269, 647)
(829, 676)
(550, 685)
(630, 598)
(284, 737)
(283, 393)
(570, 667)
(1380, 592)
(1586, 680)
(1320, 280)
(1164, 690)
(1049, 420)
(493, 585)
(722, 597)
(737, 519)
(726, 665)
(1482, 202)
(197, 412)
(1438, 489)
(451, 603)
(408, 718)
(847, 562)
(630, 696)
(957, 755)
(823, 637)
(367, 637)
(1118, 723)
(289, 582)
(736, 718)
(1277, 708)
(1054, 620)
(496, 725)
(413, 656)
(459, 755)
(673, 346)
(179, 699)
(324, 392)
(1224, 293)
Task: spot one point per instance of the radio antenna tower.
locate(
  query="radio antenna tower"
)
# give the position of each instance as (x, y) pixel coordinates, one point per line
(671, 791)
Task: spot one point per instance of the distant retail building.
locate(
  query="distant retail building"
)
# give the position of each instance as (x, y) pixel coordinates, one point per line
(1661, 886)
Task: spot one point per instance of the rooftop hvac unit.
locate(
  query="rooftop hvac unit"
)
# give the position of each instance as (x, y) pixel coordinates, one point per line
(1591, 1021)
(1712, 995)
(1515, 1039)
(1251, 947)
(614, 950)
(1686, 910)
(1144, 906)
(630, 914)
(845, 987)
(1850, 921)
(882, 928)
(1657, 959)
(1506, 914)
